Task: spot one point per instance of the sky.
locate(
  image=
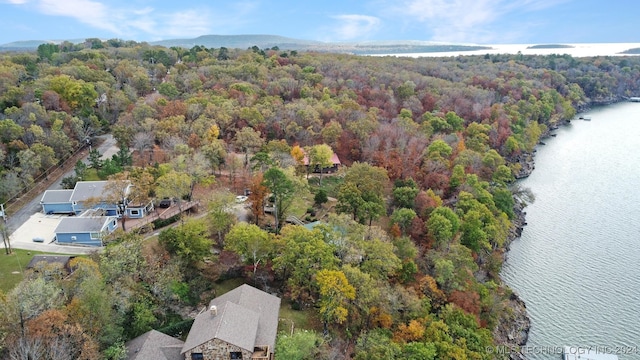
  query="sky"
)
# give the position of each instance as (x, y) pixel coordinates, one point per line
(449, 21)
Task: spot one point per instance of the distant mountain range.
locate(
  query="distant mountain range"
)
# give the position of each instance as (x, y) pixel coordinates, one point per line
(283, 43)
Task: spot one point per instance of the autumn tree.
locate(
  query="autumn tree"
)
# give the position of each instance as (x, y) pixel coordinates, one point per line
(173, 184)
(221, 215)
(248, 140)
(116, 191)
(282, 190)
(250, 242)
(189, 241)
(257, 197)
(320, 157)
(403, 217)
(335, 291)
(301, 254)
(362, 193)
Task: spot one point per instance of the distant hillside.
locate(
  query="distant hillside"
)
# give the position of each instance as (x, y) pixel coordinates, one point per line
(239, 42)
(27, 45)
(634, 51)
(550, 46)
(284, 43)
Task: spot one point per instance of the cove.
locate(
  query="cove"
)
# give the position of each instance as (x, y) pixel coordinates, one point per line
(576, 262)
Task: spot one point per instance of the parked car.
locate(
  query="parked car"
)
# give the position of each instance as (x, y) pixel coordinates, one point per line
(240, 199)
(38, 239)
(165, 203)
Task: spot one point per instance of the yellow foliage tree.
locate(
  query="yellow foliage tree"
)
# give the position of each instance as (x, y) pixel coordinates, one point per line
(335, 290)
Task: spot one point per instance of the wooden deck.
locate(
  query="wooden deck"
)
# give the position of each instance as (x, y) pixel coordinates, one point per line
(158, 213)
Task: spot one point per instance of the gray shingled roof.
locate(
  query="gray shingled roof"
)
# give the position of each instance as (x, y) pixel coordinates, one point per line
(56, 196)
(88, 189)
(154, 345)
(81, 224)
(246, 317)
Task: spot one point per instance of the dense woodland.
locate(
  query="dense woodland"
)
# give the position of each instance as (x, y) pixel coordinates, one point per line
(414, 228)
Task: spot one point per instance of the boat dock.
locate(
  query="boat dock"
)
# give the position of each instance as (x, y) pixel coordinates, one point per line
(579, 353)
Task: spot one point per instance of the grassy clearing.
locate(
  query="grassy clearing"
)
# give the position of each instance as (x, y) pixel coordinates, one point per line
(12, 267)
(330, 184)
(300, 204)
(227, 285)
(301, 319)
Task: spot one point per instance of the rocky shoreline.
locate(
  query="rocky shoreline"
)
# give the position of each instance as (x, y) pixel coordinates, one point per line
(513, 328)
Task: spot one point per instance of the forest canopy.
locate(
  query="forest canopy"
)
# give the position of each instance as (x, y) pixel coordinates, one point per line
(406, 262)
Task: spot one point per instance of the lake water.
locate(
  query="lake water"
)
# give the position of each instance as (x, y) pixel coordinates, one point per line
(576, 264)
(575, 50)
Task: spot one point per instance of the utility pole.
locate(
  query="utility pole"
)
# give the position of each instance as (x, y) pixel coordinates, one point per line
(3, 230)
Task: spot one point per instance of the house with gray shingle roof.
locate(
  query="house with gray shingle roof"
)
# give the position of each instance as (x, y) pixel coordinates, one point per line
(241, 324)
(154, 345)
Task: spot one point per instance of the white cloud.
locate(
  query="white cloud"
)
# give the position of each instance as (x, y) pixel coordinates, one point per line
(187, 23)
(355, 26)
(86, 11)
(467, 20)
(126, 21)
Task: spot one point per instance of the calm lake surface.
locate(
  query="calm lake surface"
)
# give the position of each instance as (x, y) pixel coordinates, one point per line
(577, 263)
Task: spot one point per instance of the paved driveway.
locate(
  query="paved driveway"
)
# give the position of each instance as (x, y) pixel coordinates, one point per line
(43, 226)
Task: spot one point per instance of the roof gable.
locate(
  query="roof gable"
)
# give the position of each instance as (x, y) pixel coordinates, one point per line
(237, 326)
(154, 345)
(246, 317)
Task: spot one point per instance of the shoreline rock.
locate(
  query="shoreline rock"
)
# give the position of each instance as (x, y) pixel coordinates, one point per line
(512, 331)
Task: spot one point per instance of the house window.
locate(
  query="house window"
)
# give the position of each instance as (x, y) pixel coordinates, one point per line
(95, 236)
(135, 212)
(235, 355)
(197, 356)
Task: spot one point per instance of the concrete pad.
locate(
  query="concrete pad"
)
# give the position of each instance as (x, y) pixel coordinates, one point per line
(43, 226)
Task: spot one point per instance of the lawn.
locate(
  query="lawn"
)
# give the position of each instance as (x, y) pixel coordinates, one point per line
(12, 267)
(330, 184)
(299, 319)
